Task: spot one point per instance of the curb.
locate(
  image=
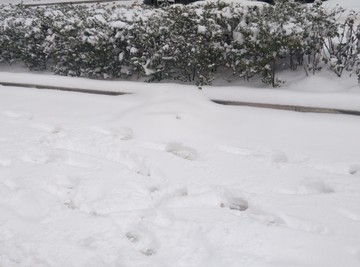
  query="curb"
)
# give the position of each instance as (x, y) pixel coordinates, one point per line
(295, 108)
(289, 107)
(67, 89)
(73, 2)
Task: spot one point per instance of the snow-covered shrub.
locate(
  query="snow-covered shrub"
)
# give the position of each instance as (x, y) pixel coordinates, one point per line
(140, 40)
(268, 38)
(8, 49)
(284, 35)
(342, 52)
(215, 35)
(182, 43)
(22, 36)
(190, 46)
(79, 42)
(62, 42)
(356, 58)
(319, 26)
(185, 43)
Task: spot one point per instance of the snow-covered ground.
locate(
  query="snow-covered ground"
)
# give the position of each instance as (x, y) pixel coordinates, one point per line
(324, 90)
(164, 177)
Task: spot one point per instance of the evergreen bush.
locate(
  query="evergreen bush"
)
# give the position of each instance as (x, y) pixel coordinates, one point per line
(185, 43)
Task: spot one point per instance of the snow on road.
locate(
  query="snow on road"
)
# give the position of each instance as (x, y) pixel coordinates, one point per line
(167, 178)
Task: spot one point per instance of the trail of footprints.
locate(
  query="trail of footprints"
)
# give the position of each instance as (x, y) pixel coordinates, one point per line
(98, 142)
(143, 240)
(71, 148)
(76, 147)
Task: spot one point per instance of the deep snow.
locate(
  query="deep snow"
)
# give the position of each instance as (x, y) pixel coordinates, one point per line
(164, 177)
(324, 90)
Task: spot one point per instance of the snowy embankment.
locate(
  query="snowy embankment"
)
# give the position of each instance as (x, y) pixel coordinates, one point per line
(164, 177)
(323, 90)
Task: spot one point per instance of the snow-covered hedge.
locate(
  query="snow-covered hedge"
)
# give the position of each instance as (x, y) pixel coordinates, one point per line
(187, 43)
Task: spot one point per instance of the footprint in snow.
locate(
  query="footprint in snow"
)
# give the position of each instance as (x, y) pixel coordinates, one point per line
(174, 148)
(173, 196)
(58, 131)
(142, 240)
(62, 186)
(138, 164)
(304, 225)
(307, 187)
(314, 187)
(264, 217)
(234, 203)
(354, 169)
(51, 133)
(204, 197)
(48, 128)
(122, 133)
(273, 156)
(181, 151)
(287, 221)
(233, 200)
(335, 168)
